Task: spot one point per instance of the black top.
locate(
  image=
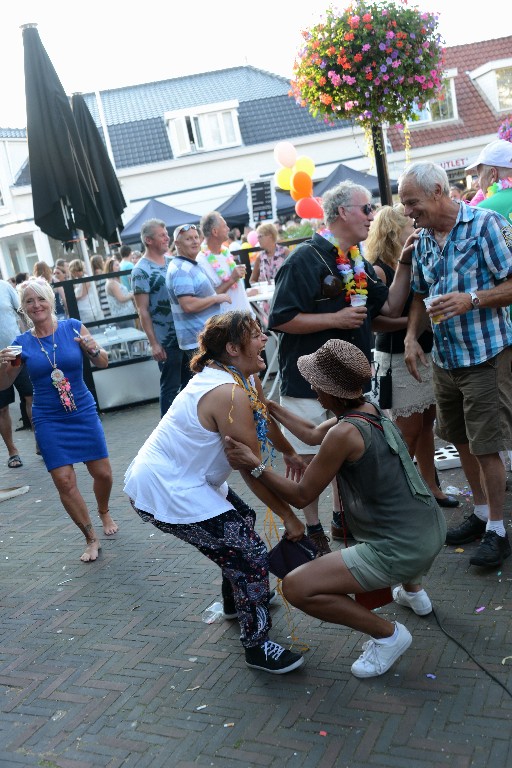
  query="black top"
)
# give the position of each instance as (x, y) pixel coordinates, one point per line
(383, 338)
(299, 290)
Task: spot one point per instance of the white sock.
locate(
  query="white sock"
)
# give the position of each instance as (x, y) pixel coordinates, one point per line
(413, 594)
(387, 640)
(481, 511)
(496, 526)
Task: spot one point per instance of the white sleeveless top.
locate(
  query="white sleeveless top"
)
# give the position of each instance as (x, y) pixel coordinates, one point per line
(179, 474)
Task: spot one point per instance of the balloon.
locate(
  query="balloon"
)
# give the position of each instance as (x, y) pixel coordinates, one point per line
(282, 178)
(301, 184)
(305, 164)
(285, 153)
(295, 195)
(252, 238)
(309, 208)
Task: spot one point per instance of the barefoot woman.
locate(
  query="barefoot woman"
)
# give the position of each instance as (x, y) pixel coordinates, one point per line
(66, 423)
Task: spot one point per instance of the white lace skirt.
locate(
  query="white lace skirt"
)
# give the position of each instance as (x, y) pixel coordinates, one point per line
(409, 396)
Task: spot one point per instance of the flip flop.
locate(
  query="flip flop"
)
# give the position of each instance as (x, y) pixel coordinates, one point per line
(14, 461)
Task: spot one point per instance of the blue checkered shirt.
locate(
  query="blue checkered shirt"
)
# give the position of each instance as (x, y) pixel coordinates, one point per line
(477, 255)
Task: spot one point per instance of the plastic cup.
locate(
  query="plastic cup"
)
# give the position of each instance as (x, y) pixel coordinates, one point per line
(357, 300)
(15, 349)
(436, 319)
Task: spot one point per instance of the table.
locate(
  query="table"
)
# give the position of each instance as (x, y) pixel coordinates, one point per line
(122, 343)
(258, 302)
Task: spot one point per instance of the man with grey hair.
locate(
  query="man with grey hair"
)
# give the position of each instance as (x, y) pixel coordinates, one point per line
(155, 313)
(462, 262)
(494, 169)
(312, 304)
(215, 258)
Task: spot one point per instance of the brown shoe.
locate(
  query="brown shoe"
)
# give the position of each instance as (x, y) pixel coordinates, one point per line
(338, 534)
(321, 542)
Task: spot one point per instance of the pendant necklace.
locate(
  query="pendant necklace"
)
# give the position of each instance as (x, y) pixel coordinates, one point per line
(59, 381)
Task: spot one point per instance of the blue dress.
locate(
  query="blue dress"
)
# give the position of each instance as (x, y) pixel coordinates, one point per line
(64, 437)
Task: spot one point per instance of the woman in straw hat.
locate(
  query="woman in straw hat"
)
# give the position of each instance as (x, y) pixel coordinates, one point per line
(391, 512)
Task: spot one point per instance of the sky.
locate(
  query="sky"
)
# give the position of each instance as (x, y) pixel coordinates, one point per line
(109, 45)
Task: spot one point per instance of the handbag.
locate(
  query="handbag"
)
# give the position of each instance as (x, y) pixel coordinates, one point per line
(386, 382)
(288, 555)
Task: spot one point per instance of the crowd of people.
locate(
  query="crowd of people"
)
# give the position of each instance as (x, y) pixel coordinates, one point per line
(427, 283)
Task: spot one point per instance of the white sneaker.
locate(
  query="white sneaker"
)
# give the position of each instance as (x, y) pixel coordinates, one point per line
(419, 602)
(378, 658)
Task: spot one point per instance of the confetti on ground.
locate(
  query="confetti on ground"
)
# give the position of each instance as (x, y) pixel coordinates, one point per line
(228, 725)
(203, 706)
(459, 549)
(498, 608)
(194, 688)
(479, 610)
(323, 733)
(430, 676)
(506, 659)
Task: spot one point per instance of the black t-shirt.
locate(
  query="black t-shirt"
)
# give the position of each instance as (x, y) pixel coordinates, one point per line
(299, 290)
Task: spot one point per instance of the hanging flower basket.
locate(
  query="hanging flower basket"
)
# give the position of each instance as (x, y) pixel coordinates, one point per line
(375, 62)
(505, 129)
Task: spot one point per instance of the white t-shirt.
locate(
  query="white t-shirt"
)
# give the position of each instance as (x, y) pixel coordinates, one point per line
(9, 304)
(239, 300)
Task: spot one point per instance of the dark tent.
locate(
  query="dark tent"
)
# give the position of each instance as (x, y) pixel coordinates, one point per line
(235, 210)
(154, 209)
(342, 173)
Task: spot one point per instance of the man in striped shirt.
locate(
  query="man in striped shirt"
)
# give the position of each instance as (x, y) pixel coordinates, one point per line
(463, 261)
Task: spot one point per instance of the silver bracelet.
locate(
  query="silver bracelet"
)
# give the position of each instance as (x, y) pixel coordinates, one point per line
(96, 352)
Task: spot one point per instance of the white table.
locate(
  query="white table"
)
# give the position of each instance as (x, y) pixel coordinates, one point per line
(123, 343)
(258, 300)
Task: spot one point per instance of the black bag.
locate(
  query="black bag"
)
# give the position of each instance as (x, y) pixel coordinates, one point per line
(288, 555)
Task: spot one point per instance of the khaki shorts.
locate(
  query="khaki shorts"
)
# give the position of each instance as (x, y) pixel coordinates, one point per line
(474, 404)
(310, 409)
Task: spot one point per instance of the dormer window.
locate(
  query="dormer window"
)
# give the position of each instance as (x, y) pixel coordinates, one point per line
(442, 108)
(204, 129)
(494, 79)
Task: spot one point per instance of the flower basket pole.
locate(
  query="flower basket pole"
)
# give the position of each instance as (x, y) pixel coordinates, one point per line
(375, 62)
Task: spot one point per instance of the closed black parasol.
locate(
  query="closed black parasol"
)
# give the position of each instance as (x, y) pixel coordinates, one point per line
(63, 186)
(109, 197)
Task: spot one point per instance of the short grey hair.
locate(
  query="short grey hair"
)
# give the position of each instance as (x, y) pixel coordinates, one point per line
(427, 176)
(149, 228)
(341, 196)
(209, 222)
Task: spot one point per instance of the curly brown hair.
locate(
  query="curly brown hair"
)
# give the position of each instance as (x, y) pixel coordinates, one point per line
(230, 327)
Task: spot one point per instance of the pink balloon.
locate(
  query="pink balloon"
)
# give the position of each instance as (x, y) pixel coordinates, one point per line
(252, 238)
(285, 153)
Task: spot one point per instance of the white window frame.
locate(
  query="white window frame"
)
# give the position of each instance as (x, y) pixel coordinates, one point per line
(426, 117)
(190, 130)
(485, 77)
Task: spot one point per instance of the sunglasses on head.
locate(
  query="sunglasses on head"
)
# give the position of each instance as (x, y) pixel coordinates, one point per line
(366, 208)
(184, 228)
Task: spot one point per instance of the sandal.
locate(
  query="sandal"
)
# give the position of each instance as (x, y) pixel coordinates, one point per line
(14, 461)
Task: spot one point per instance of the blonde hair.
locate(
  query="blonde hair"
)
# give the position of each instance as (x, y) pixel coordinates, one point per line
(268, 229)
(77, 265)
(41, 288)
(383, 241)
(42, 269)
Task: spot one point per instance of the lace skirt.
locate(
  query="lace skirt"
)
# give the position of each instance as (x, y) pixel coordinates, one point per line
(409, 396)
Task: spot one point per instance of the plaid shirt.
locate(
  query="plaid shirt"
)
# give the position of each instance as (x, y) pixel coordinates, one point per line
(477, 255)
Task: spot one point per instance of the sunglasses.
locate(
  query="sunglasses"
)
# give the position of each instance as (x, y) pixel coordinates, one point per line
(366, 209)
(184, 228)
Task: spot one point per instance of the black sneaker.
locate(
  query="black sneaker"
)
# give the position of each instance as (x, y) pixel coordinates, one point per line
(321, 542)
(471, 529)
(272, 657)
(230, 608)
(492, 550)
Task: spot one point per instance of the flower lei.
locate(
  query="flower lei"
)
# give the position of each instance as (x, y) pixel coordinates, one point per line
(351, 267)
(259, 411)
(499, 185)
(212, 259)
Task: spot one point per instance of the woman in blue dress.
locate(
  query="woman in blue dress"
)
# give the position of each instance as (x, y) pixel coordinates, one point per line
(64, 413)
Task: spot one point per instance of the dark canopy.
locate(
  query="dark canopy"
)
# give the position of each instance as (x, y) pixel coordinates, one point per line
(63, 186)
(235, 210)
(154, 209)
(342, 173)
(109, 197)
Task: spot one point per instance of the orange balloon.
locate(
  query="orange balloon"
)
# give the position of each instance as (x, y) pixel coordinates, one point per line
(302, 183)
(295, 195)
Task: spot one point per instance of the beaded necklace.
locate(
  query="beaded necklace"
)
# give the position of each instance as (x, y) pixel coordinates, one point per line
(499, 185)
(259, 411)
(213, 260)
(59, 381)
(351, 267)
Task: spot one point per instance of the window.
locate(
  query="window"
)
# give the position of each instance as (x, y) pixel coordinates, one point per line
(504, 83)
(442, 108)
(494, 80)
(204, 129)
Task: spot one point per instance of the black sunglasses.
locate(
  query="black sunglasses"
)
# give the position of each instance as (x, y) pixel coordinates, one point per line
(366, 208)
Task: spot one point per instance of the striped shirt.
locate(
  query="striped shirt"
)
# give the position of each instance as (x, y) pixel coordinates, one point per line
(477, 255)
(187, 278)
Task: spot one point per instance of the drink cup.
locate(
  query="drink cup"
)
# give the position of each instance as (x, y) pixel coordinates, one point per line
(358, 300)
(436, 319)
(15, 349)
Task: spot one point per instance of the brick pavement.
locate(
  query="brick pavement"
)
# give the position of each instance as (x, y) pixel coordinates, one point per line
(109, 664)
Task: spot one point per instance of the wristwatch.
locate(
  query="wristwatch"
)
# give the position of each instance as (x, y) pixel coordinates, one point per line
(474, 299)
(258, 471)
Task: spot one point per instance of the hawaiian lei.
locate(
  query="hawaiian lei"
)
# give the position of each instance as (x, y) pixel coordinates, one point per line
(499, 185)
(259, 411)
(212, 259)
(351, 267)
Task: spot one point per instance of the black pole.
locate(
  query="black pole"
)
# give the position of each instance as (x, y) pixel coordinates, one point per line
(381, 164)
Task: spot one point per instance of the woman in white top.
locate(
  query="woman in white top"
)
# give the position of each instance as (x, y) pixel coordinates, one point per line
(120, 299)
(86, 297)
(178, 479)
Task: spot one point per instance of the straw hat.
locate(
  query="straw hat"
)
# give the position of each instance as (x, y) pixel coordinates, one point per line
(338, 368)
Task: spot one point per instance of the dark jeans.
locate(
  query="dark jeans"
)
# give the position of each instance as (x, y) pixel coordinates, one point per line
(174, 375)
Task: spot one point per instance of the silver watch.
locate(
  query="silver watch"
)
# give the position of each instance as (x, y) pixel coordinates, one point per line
(474, 299)
(258, 471)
